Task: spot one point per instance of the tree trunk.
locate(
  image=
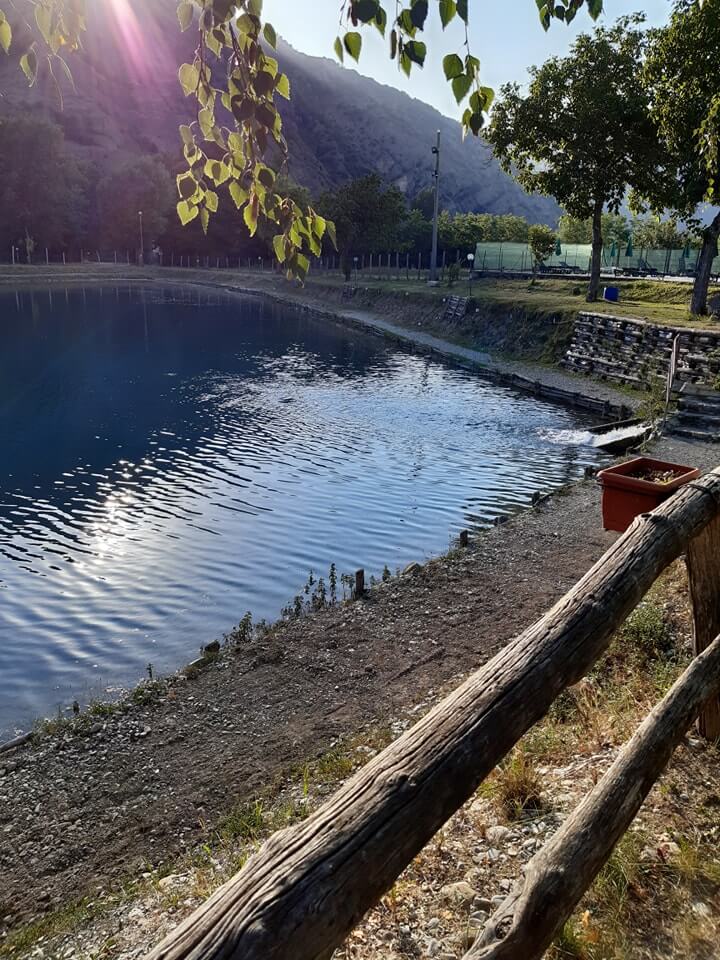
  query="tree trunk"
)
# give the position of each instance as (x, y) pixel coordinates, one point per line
(597, 246)
(707, 255)
(346, 264)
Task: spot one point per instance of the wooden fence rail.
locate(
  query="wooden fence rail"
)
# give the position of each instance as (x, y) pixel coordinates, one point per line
(300, 896)
(557, 877)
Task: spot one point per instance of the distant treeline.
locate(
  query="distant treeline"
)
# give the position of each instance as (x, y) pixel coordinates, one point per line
(78, 208)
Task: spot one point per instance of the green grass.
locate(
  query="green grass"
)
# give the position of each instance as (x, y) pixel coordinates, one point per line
(652, 300)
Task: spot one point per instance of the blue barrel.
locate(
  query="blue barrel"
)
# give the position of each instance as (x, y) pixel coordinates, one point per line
(612, 294)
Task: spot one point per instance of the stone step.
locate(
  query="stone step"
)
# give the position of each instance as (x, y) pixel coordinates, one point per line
(705, 436)
(700, 420)
(703, 407)
(707, 394)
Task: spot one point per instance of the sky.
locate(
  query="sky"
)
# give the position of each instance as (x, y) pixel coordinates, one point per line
(505, 34)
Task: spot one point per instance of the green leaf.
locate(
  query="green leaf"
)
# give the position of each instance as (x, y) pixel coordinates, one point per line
(448, 11)
(29, 65)
(185, 15)
(5, 35)
(250, 216)
(187, 185)
(187, 135)
(381, 20)
(416, 51)
(279, 247)
(339, 51)
(186, 212)
(282, 85)
(462, 9)
(365, 10)
(239, 195)
(453, 66)
(270, 35)
(461, 87)
(418, 13)
(189, 75)
(43, 18)
(331, 232)
(205, 219)
(242, 109)
(353, 44)
(211, 200)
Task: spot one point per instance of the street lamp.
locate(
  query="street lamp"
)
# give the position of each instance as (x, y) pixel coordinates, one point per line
(436, 213)
(141, 258)
(471, 264)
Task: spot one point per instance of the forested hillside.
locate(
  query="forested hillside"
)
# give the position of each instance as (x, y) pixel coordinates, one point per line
(339, 125)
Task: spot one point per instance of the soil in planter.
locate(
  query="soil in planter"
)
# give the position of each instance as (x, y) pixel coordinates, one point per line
(654, 476)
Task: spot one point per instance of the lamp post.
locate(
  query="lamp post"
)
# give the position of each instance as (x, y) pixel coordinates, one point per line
(436, 212)
(141, 257)
(471, 264)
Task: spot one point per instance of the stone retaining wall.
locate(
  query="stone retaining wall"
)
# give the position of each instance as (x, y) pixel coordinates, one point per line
(635, 352)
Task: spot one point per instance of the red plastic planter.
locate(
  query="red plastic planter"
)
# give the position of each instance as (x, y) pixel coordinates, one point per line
(625, 497)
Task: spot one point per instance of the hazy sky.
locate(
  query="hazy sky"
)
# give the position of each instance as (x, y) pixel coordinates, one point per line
(507, 42)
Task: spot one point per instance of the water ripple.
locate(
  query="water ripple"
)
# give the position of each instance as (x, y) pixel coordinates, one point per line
(172, 459)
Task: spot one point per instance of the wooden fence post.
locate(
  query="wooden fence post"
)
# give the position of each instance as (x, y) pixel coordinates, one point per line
(359, 584)
(703, 562)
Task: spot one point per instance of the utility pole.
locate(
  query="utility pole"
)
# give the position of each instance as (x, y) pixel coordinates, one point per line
(434, 256)
(141, 258)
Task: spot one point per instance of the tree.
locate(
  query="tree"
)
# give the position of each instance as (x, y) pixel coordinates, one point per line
(366, 216)
(129, 188)
(425, 203)
(574, 231)
(542, 241)
(582, 132)
(40, 186)
(654, 233)
(414, 234)
(681, 78)
(237, 121)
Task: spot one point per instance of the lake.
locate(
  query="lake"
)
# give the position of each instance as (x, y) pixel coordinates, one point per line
(173, 458)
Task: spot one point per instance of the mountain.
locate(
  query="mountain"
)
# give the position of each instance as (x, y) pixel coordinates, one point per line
(338, 124)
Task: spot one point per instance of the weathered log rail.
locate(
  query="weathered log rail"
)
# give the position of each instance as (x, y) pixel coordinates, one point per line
(308, 886)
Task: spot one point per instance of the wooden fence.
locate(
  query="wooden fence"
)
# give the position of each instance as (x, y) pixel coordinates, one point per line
(300, 896)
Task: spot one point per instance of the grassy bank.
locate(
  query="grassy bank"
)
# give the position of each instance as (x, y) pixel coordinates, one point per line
(653, 300)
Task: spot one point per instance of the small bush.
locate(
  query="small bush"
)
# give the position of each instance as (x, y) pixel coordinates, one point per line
(646, 633)
(519, 788)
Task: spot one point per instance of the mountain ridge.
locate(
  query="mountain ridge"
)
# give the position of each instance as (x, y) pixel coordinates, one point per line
(339, 124)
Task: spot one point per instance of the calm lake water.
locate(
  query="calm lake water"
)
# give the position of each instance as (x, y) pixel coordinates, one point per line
(173, 458)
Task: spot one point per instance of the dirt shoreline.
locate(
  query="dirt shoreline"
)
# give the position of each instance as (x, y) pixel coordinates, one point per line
(87, 807)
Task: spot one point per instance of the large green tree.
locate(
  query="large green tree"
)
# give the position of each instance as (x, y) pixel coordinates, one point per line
(582, 132)
(367, 216)
(134, 186)
(40, 185)
(681, 76)
(235, 80)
